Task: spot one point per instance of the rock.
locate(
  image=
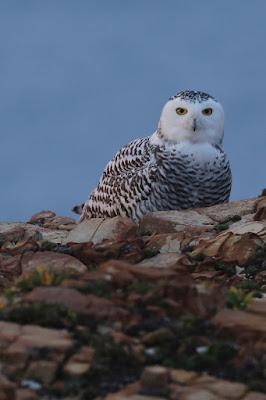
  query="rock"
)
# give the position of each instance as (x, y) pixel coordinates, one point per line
(121, 396)
(26, 394)
(240, 321)
(33, 336)
(9, 331)
(260, 209)
(258, 306)
(230, 247)
(7, 388)
(67, 297)
(175, 221)
(52, 262)
(154, 380)
(158, 336)
(114, 266)
(10, 268)
(42, 370)
(9, 233)
(198, 394)
(255, 396)
(248, 227)
(80, 362)
(223, 388)
(165, 242)
(182, 376)
(224, 212)
(41, 216)
(16, 354)
(58, 222)
(98, 229)
(92, 306)
(167, 260)
(30, 231)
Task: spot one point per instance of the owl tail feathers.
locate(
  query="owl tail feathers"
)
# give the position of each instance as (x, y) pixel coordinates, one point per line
(78, 209)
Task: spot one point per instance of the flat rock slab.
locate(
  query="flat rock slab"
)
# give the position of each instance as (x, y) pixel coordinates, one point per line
(33, 336)
(96, 230)
(52, 262)
(92, 306)
(225, 211)
(175, 221)
(240, 321)
(230, 247)
(166, 260)
(28, 230)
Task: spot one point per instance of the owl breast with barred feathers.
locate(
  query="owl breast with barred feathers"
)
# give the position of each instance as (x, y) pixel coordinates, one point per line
(181, 165)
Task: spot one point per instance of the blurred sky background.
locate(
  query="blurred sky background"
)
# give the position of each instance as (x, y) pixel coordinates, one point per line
(78, 79)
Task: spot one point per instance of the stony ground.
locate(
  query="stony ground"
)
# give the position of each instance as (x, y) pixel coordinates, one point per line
(174, 308)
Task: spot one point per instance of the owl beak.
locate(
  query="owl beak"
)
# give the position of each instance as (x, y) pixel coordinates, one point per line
(194, 126)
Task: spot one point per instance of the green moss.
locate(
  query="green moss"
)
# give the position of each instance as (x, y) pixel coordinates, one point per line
(47, 315)
(221, 227)
(150, 252)
(229, 269)
(248, 284)
(140, 287)
(196, 257)
(99, 288)
(251, 271)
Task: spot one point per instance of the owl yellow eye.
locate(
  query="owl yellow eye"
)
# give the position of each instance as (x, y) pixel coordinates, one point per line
(207, 111)
(181, 111)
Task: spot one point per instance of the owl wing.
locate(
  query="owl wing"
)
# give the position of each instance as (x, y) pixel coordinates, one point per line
(125, 184)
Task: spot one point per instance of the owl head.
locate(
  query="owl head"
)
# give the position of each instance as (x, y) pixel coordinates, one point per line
(192, 116)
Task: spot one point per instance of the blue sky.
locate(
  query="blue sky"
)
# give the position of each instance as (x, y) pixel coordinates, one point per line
(78, 79)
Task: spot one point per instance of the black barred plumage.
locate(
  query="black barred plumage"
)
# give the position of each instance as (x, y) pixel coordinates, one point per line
(167, 171)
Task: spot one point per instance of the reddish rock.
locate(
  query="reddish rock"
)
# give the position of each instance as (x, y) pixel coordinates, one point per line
(198, 394)
(26, 394)
(53, 262)
(41, 370)
(41, 216)
(11, 232)
(260, 209)
(114, 266)
(20, 247)
(258, 306)
(240, 321)
(255, 396)
(7, 388)
(80, 362)
(10, 268)
(33, 336)
(154, 380)
(223, 388)
(182, 376)
(92, 306)
(230, 247)
(9, 331)
(98, 229)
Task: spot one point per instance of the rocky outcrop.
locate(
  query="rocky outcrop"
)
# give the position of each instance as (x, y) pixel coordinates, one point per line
(171, 308)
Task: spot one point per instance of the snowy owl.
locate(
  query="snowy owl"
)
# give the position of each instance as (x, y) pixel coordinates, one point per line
(181, 165)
